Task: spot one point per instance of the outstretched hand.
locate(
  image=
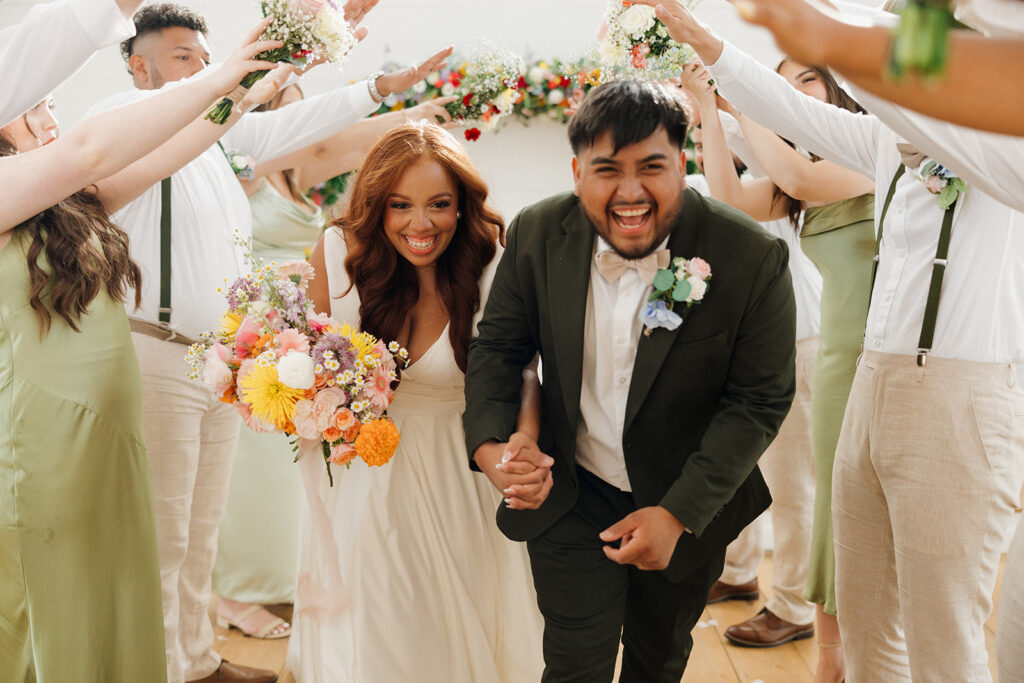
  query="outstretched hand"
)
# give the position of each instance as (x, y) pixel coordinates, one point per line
(356, 11)
(799, 26)
(432, 111)
(647, 538)
(403, 79)
(240, 62)
(683, 27)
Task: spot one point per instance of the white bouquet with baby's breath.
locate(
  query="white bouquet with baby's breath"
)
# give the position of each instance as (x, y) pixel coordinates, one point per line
(488, 89)
(310, 30)
(634, 42)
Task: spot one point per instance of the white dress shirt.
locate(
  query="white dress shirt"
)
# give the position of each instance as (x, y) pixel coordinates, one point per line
(208, 204)
(53, 42)
(608, 357)
(807, 282)
(981, 313)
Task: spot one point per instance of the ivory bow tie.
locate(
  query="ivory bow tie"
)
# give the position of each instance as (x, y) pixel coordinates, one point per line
(909, 155)
(612, 266)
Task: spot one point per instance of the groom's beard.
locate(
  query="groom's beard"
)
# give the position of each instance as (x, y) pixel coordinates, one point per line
(663, 223)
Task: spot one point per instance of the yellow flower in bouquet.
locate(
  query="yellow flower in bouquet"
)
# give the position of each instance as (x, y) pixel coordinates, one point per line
(271, 399)
(228, 326)
(362, 342)
(377, 442)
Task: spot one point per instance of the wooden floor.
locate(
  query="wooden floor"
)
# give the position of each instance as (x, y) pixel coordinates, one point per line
(714, 660)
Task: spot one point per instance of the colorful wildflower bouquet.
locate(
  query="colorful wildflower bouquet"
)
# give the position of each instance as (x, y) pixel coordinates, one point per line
(289, 369)
(488, 87)
(309, 29)
(636, 43)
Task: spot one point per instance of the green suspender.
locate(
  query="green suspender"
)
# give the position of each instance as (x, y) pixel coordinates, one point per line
(165, 253)
(931, 309)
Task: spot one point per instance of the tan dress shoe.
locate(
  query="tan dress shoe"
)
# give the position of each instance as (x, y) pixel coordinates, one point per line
(236, 673)
(722, 591)
(767, 630)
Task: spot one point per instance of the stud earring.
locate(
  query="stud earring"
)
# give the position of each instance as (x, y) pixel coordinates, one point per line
(458, 215)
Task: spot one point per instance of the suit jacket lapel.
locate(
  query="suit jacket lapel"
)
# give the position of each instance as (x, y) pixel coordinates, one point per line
(687, 240)
(568, 270)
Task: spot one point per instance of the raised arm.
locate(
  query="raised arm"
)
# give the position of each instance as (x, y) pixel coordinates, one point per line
(345, 151)
(754, 198)
(830, 132)
(818, 182)
(123, 187)
(52, 43)
(105, 144)
(981, 87)
(269, 135)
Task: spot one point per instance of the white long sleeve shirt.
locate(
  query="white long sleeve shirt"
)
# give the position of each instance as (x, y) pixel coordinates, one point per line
(981, 312)
(208, 204)
(53, 42)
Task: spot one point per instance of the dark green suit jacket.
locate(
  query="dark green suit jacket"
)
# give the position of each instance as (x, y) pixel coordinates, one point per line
(705, 399)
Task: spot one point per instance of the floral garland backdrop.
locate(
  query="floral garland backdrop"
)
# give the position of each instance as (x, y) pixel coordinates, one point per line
(550, 89)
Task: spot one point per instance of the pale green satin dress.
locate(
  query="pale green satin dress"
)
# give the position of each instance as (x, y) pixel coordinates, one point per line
(79, 578)
(258, 549)
(839, 238)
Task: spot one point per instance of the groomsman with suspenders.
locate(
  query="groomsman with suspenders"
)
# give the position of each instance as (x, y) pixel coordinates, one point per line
(929, 465)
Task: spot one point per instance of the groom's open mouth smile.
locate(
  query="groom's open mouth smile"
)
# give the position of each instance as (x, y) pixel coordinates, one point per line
(632, 220)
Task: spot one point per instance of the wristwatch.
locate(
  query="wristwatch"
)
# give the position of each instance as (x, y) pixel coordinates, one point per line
(371, 84)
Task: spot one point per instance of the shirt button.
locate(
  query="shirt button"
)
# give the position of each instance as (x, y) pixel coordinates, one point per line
(902, 252)
(622, 380)
(888, 297)
(620, 340)
(877, 343)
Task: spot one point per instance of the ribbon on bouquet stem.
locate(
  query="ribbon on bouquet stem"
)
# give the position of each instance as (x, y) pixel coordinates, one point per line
(320, 591)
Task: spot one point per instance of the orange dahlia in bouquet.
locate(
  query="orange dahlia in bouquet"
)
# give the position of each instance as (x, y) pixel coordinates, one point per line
(289, 369)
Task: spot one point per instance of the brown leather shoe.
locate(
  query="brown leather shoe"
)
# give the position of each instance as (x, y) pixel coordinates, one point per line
(767, 630)
(236, 673)
(721, 592)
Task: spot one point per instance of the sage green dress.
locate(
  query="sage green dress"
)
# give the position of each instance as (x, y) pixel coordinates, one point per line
(839, 238)
(258, 550)
(79, 577)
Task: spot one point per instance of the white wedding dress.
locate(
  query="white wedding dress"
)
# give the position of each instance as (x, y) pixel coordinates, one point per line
(435, 592)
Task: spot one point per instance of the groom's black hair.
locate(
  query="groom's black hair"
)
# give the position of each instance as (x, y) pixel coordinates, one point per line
(631, 110)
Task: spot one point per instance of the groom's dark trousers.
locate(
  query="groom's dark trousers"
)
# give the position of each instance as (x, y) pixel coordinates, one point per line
(704, 401)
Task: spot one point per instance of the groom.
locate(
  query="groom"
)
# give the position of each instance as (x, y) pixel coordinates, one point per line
(653, 438)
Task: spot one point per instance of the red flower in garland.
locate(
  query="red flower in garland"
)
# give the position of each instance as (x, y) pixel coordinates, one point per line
(521, 85)
(473, 134)
(455, 78)
(467, 99)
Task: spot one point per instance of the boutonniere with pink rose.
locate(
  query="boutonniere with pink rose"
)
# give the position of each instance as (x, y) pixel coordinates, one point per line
(686, 283)
(941, 181)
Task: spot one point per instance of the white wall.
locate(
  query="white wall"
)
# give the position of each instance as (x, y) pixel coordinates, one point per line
(522, 164)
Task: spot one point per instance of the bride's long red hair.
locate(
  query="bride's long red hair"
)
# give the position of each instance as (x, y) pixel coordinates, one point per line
(386, 282)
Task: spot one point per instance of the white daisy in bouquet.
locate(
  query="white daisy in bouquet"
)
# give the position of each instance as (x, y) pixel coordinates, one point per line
(489, 89)
(634, 42)
(310, 30)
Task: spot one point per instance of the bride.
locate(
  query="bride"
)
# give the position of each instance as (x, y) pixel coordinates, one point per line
(434, 592)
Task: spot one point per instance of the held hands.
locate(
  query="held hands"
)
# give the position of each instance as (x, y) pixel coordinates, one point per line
(518, 469)
(648, 538)
(240, 62)
(402, 80)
